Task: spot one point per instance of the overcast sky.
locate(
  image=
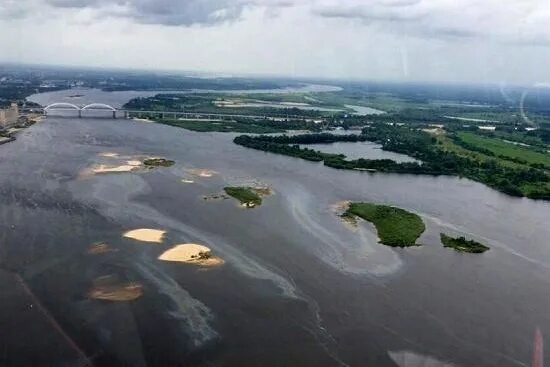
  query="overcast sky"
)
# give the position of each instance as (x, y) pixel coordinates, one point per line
(449, 40)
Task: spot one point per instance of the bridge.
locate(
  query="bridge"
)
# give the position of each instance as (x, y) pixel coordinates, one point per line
(65, 106)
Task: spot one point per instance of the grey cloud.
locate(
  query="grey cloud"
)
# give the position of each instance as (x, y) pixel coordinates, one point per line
(165, 12)
(173, 12)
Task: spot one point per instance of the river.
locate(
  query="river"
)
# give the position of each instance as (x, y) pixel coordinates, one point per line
(299, 288)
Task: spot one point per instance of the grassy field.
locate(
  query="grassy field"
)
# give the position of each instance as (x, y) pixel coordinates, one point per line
(246, 195)
(447, 144)
(395, 226)
(462, 244)
(501, 148)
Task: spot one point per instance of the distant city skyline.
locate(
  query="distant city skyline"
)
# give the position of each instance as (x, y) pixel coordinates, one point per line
(401, 40)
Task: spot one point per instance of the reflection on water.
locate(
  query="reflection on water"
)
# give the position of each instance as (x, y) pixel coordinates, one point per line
(362, 149)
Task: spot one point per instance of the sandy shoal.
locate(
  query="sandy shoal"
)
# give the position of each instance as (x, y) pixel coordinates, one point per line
(102, 168)
(146, 235)
(202, 172)
(117, 292)
(108, 154)
(188, 253)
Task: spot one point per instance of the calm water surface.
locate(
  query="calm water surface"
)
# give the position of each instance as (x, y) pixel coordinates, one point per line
(362, 149)
(298, 287)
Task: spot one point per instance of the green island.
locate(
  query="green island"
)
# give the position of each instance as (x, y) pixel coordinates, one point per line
(396, 227)
(475, 136)
(247, 196)
(158, 162)
(441, 153)
(462, 244)
(225, 126)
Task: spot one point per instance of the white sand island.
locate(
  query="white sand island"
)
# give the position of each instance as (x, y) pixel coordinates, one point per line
(146, 235)
(191, 253)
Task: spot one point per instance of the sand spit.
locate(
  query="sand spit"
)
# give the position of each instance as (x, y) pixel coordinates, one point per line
(340, 208)
(201, 172)
(146, 235)
(108, 155)
(124, 164)
(107, 288)
(191, 253)
(99, 248)
(102, 168)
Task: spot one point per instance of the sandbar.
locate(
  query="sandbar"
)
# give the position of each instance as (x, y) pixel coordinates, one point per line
(202, 172)
(102, 168)
(191, 253)
(146, 235)
(108, 154)
(116, 292)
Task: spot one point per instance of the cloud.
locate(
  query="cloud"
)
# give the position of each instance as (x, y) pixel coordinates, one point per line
(502, 20)
(162, 12)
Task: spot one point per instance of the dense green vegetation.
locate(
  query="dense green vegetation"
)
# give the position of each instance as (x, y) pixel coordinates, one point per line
(462, 244)
(395, 226)
(246, 195)
(438, 156)
(223, 126)
(158, 162)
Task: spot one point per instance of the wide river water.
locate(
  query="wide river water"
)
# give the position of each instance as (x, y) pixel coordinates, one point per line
(298, 287)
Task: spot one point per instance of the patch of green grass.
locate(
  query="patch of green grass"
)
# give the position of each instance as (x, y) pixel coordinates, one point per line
(446, 144)
(246, 195)
(502, 148)
(462, 244)
(396, 227)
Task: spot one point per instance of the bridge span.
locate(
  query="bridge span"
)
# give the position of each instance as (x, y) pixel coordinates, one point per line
(65, 106)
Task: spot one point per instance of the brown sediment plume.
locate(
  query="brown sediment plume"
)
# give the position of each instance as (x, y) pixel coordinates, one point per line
(146, 235)
(191, 253)
(107, 288)
(99, 248)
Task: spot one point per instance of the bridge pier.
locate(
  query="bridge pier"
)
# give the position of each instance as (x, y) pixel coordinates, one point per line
(114, 114)
(80, 113)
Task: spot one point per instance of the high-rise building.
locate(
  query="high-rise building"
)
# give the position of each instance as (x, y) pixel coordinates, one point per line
(9, 116)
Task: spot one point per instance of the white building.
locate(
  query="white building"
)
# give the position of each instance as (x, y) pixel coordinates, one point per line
(9, 116)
